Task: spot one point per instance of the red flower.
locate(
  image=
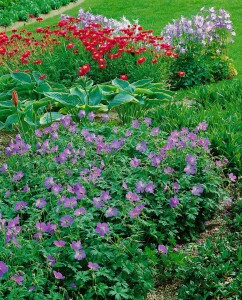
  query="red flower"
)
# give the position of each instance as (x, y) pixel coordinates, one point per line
(39, 19)
(154, 61)
(62, 23)
(102, 66)
(38, 62)
(2, 50)
(141, 60)
(181, 74)
(123, 77)
(39, 30)
(83, 70)
(70, 46)
(42, 77)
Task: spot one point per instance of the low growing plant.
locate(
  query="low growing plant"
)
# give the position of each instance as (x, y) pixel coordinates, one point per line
(86, 209)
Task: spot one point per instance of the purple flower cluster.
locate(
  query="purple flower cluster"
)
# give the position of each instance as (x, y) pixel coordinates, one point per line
(17, 146)
(102, 199)
(79, 252)
(134, 213)
(102, 229)
(203, 28)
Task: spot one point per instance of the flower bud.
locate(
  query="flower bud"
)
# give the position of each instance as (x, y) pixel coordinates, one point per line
(15, 98)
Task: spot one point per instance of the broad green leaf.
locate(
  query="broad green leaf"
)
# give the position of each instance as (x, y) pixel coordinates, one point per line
(121, 99)
(50, 117)
(80, 93)
(121, 84)
(36, 75)
(162, 96)
(64, 98)
(5, 113)
(22, 77)
(108, 89)
(13, 119)
(43, 87)
(6, 104)
(5, 96)
(142, 91)
(2, 125)
(95, 96)
(142, 82)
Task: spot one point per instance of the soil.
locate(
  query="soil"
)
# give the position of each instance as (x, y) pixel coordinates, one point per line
(53, 13)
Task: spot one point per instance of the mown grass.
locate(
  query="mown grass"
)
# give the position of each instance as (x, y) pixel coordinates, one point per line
(156, 14)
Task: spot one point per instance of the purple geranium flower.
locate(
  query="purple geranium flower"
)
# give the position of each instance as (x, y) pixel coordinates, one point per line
(18, 176)
(3, 268)
(135, 123)
(4, 168)
(133, 197)
(51, 260)
(79, 254)
(91, 116)
(76, 245)
(191, 160)
(148, 121)
(154, 131)
(135, 162)
(66, 221)
(102, 228)
(105, 117)
(59, 243)
(111, 212)
(232, 177)
(58, 275)
(82, 113)
(174, 202)
(150, 188)
(49, 182)
(190, 170)
(80, 211)
(168, 170)
(93, 266)
(142, 146)
(134, 213)
(140, 186)
(162, 249)
(17, 279)
(40, 203)
(197, 190)
(20, 205)
(56, 188)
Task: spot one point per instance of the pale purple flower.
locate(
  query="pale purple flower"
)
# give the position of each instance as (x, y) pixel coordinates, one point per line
(20, 205)
(176, 187)
(91, 116)
(155, 131)
(7, 193)
(142, 146)
(50, 260)
(26, 188)
(150, 188)
(140, 186)
(105, 196)
(128, 133)
(148, 121)
(49, 182)
(40, 203)
(98, 202)
(201, 126)
(232, 177)
(66, 221)
(4, 168)
(82, 114)
(155, 161)
(3, 268)
(197, 190)
(190, 170)
(133, 197)
(41, 226)
(38, 133)
(218, 163)
(70, 202)
(115, 129)
(134, 213)
(191, 160)
(111, 212)
(174, 202)
(124, 185)
(32, 287)
(80, 211)
(168, 170)
(135, 162)
(162, 249)
(59, 243)
(93, 266)
(56, 188)
(18, 176)
(58, 275)
(17, 279)
(79, 254)
(135, 123)
(105, 117)
(76, 245)
(102, 228)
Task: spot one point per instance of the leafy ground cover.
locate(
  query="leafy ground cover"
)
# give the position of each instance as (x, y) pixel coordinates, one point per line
(22, 10)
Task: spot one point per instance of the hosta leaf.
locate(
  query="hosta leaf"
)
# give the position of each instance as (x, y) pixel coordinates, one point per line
(50, 117)
(2, 125)
(121, 99)
(142, 82)
(95, 96)
(64, 98)
(12, 119)
(80, 93)
(121, 84)
(23, 77)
